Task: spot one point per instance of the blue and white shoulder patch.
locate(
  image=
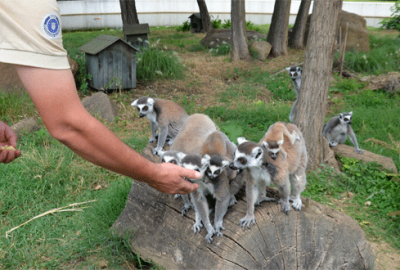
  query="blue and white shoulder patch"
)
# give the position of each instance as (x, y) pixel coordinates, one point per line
(51, 26)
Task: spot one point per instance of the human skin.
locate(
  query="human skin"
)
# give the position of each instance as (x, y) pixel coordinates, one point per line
(8, 138)
(55, 96)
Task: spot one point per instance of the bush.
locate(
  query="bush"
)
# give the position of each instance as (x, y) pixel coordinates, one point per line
(153, 63)
(185, 27)
(394, 21)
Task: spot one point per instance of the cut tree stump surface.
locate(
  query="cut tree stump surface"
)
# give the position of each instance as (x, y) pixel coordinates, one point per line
(348, 151)
(318, 237)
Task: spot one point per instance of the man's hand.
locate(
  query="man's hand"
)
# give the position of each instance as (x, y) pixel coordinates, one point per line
(170, 179)
(8, 143)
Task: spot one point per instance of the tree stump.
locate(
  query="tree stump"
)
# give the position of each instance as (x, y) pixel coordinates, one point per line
(348, 151)
(318, 237)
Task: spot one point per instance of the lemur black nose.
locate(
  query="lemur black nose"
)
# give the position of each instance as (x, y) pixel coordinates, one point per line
(233, 167)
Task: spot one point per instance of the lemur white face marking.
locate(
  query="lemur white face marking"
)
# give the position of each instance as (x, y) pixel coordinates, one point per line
(213, 171)
(273, 152)
(170, 159)
(294, 72)
(194, 162)
(243, 160)
(345, 118)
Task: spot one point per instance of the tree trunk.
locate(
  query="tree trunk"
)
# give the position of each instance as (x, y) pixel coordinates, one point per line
(278, 31)
(128, 12)
(240, 48)
(318, 237)
(296, 38)
(311, 105)
(205, 16)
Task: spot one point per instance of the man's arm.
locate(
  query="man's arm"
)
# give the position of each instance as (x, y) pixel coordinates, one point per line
(54, 94)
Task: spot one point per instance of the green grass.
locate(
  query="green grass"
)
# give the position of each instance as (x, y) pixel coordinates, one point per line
(48, 175)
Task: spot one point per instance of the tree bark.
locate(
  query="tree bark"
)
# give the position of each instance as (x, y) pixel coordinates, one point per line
(205, 16)
(278, 31)
(311, 105)
(128, 12)
(296, 38)
(240, 48)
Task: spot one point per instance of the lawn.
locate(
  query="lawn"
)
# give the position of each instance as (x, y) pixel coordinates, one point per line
(237, 96)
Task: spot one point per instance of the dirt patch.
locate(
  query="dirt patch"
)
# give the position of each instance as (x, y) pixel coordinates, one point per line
(387, 258)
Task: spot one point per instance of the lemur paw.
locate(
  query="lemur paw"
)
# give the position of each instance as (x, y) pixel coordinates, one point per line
(157, 151)
(177, 196)
(197, 227)
(246, 221)
(152, 140)
(333, 144)
(285, 206)
(185, 208)
(209, 236)
(232, 201)
(264, 199)
(218, 229)
(359, 151)
(170, 141)
(297, 204)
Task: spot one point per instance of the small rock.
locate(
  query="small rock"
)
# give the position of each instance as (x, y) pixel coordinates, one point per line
(367, 203)
(350, 194)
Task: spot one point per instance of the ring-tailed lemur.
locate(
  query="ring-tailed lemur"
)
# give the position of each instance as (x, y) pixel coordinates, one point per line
(198, 197)
(337, 129)
(274, 138)
(225, 181)
(251, 156)
(189, 140)
(165, 116)
(288, 169)
(291, 164)
(295, 74)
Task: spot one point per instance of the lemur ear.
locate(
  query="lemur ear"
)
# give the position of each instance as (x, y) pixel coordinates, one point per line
(280, 142)
(181, 156)
(288, 69)
(341, 116)
(257, 152)
(150, 101)
(265, 145)
(298, 69)
(205, 160)
(134, 103)
(225, 163)
(241, 140)
(351, 113)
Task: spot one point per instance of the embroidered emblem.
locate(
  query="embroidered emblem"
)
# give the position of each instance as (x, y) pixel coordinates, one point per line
(51, 26)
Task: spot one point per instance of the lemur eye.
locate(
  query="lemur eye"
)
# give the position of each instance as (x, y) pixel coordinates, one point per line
(271, 154)
(208, 170)
(173, 162)
(145, 108)
(138, 109)
(217, 172)
(295, 74)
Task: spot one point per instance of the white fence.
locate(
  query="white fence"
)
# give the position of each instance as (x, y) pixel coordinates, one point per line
(107, 13)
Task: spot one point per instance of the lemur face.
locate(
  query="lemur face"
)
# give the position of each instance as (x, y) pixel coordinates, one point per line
(248, 154)
(216, 166)
(144, 106)
(273, 148)
(170, 157)
(294, 72)
(345, 118)
(194, 162)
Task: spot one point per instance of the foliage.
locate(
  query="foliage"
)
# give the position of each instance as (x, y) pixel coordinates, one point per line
(216, 23)
(223, 49)
(153, 63)
(384, 56)
(184, 27)
(346, 86)
(394, 21)
(82, 77)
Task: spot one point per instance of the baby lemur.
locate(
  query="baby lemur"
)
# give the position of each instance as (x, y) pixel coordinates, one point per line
(165, 116)
(337, 129)
(287, 169)
(225, 182)
(295, 74)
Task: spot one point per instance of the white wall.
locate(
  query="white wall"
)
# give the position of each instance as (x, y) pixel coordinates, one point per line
(107, 13)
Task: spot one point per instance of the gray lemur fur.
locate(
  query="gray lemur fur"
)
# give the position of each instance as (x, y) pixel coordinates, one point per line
(337, 129)
(295, 74)
(165, 116)
(225, 182)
